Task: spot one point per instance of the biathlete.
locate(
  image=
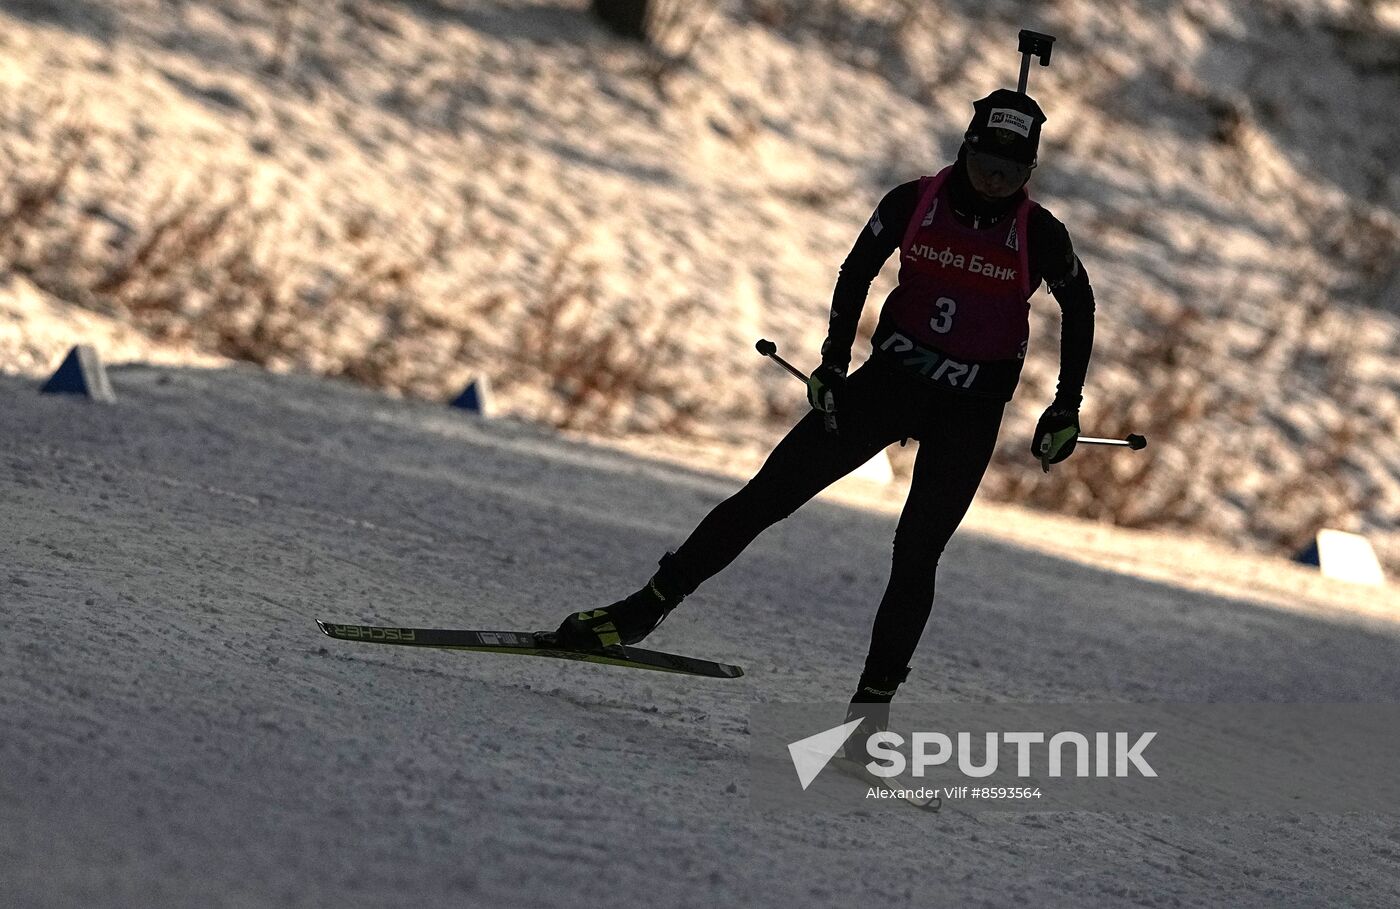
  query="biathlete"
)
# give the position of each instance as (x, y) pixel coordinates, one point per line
(946, 357)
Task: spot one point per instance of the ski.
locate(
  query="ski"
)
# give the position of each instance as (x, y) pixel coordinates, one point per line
(529, 643)
(902, 789)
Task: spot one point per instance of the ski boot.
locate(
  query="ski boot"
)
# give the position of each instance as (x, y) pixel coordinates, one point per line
(630, 619)
(871, 705)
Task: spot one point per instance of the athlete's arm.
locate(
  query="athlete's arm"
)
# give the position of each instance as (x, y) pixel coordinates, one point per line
(1052, 257)
(880, 237)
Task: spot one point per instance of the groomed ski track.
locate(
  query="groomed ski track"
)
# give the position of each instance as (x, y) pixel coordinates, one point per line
(176, 732)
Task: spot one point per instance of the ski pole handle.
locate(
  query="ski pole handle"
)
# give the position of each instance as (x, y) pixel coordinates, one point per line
(1133, 441)
(770, 350)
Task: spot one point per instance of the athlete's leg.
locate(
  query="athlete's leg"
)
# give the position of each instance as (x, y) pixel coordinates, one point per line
(953, 455)
(804, 463)
(873, 414)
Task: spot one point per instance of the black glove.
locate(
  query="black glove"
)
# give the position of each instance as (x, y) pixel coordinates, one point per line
(1055, 435)
(826, 387)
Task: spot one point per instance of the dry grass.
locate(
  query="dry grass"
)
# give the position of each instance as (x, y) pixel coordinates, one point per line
(209, 266)
(600, 364)
(384, 296)
(889, 38)
(34, 184)
(1212, 442)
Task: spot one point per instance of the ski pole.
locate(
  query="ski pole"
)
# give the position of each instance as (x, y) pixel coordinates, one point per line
(770, 350)
(1133, 441)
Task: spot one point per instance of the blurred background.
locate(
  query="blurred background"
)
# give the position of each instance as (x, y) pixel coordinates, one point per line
(602, 216)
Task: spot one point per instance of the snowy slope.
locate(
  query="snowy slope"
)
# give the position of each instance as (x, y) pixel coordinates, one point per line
(177, 733)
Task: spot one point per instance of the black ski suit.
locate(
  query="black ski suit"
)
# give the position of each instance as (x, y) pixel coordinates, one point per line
(884, 402)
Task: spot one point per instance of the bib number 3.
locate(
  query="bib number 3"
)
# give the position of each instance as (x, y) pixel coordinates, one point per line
(943, 322)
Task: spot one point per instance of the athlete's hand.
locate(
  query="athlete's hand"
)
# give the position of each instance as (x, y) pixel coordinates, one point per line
(825, 389)
(1055, 435)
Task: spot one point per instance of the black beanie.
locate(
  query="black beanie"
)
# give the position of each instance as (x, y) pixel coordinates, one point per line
(1006, 123)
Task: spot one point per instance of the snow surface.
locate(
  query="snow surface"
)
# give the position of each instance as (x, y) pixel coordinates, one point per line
(177, 733)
